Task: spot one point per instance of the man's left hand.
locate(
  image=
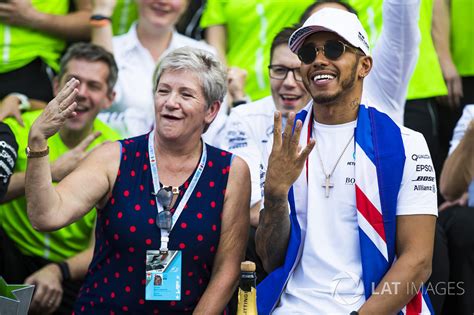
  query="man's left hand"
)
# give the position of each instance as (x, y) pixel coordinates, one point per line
(17, 12)
(48, 289)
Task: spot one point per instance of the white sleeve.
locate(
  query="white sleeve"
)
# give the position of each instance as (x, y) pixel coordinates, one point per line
(239, 140)
(461, 126)
(395, 55)
(418, 193)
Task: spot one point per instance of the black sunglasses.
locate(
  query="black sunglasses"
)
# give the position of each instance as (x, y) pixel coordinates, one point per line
(332, 50)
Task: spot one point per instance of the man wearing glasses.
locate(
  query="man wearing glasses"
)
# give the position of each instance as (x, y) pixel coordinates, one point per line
(357, 187)
(249, 128)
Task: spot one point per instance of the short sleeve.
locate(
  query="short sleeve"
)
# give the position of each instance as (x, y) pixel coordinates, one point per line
(213, 14)
(461, 127)
(238, 140)
(418, 192)
(8, 156)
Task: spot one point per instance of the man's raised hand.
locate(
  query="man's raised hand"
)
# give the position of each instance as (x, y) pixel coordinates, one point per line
(287, 157)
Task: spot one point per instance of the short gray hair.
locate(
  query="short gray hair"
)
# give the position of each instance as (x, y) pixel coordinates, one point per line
(206, 66)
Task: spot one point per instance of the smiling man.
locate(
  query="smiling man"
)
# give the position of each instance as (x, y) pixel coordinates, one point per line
(52, 261)
(354, 201)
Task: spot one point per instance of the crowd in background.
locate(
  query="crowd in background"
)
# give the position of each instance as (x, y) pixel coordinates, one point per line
(424, 75)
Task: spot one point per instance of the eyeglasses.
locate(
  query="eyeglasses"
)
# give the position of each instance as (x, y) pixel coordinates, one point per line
(280, 72)
(332, 49)
(165, 198)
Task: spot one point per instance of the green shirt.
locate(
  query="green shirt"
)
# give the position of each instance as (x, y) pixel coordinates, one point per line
(427, 79)
(370, 15)
(19, 46)
(462, 36)
(251, 27)
(61, 244)
(125, 13)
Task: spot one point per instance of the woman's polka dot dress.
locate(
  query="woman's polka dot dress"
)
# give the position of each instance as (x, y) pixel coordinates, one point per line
(126, 229)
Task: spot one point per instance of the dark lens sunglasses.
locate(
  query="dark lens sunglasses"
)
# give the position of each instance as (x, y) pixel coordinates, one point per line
(332, 50)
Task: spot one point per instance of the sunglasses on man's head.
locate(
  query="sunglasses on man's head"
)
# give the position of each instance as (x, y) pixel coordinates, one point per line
(332, 50)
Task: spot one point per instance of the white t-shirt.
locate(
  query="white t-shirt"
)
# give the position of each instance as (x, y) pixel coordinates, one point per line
(458, 134)
(461, 126)
(133, 111)
(327, 279)
(249, 128)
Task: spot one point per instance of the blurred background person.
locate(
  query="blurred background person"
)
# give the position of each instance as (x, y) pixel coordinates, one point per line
(137, 53)
(457, 214)
(33, 37)
(55, 262)
(242, 33)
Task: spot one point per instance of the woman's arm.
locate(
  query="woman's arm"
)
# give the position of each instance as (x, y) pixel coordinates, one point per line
(102, 35)
(233, 241)
(50, 208)
(216, 36)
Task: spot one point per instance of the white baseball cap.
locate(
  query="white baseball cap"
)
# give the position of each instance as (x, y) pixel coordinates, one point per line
(341, 22)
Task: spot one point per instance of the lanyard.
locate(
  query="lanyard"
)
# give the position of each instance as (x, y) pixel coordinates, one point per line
(156, 185)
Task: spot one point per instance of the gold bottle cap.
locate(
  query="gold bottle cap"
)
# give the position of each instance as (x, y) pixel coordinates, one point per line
(247, 266)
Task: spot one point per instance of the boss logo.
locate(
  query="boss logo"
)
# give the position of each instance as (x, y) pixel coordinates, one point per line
(350, 181)
(424, 179)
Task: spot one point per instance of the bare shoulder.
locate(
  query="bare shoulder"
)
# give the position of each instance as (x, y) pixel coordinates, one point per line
(239, 170)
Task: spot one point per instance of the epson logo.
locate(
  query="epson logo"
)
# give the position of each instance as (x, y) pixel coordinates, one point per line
(424, 167)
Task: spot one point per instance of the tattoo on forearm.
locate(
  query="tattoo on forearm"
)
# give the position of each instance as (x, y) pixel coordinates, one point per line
(274, 230)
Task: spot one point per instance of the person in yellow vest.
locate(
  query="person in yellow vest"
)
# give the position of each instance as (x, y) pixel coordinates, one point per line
(55, 262)
(426, 84)
(462, 42)
(33, 35)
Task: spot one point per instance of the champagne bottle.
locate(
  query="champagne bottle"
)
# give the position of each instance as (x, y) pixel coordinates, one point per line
(247, 289)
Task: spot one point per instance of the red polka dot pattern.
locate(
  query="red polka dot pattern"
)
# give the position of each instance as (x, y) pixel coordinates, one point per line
(126, 228)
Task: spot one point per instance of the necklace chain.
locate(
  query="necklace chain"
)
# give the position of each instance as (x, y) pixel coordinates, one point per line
(327, 184)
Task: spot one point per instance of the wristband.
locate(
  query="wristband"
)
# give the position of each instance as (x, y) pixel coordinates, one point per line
(99, 20)
(36, 154)
(354, 313)
(64, 267)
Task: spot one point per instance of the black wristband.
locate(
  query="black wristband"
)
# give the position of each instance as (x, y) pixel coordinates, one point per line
(237, 103)
(99, 17)
(354, 313)
(64, 267)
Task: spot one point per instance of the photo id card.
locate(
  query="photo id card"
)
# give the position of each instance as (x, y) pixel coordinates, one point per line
(163, 275)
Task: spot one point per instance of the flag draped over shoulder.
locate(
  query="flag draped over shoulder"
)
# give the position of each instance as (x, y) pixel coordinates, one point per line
(380, 159)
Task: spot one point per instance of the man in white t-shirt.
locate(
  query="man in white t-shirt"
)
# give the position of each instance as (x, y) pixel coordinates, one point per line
(249, 128)
(352, 217)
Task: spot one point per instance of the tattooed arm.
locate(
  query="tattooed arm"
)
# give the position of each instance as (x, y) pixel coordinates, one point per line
(284, 166)
(273, 231)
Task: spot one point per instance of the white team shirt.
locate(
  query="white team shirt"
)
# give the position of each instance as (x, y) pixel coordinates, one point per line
(327, 279)
(458, 134)
(249, 128)
(461, 126)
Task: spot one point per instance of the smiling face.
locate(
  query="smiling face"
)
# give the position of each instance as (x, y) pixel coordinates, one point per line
(332, 81)
(181, 109)
(161, 13)
(288, 94)
(93, 94)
